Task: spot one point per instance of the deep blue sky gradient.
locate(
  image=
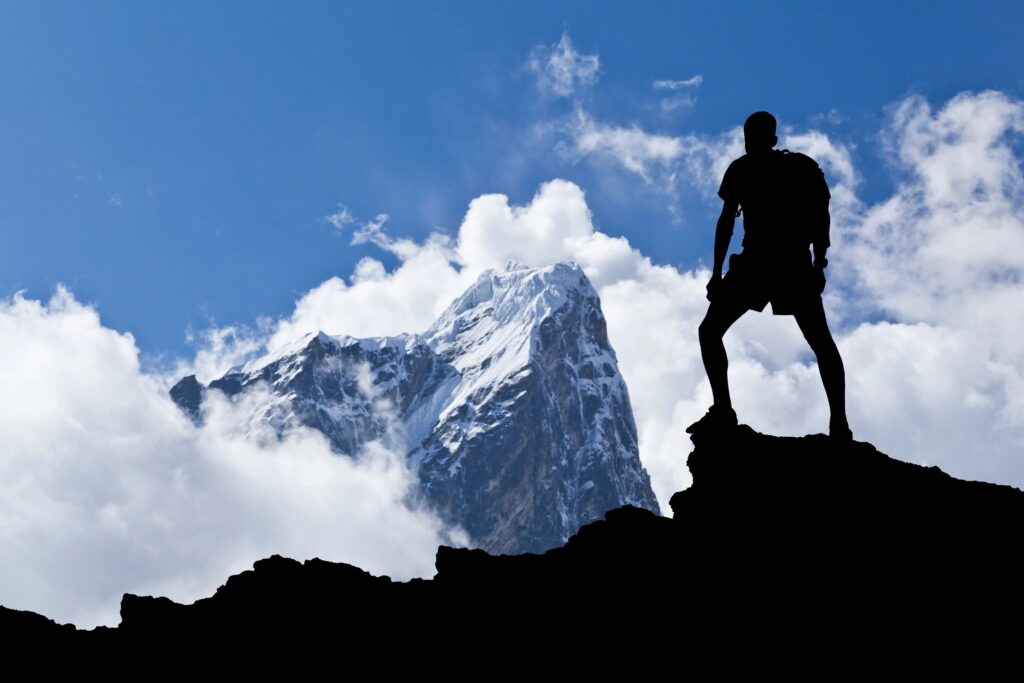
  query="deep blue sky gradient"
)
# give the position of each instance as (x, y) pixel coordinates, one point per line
(172, 162)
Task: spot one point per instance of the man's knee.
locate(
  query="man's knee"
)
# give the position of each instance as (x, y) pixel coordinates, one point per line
(706, 330)
(710, 330)
(719, 318)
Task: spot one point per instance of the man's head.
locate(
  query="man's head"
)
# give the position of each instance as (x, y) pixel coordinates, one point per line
(759, 132)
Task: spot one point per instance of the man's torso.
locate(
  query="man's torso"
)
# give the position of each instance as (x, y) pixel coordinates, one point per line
(772, 192)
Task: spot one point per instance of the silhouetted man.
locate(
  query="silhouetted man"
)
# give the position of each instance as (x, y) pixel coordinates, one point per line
(784, 200)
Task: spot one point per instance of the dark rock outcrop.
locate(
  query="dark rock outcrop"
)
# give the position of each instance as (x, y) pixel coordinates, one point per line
(188, 393)
(790, 549)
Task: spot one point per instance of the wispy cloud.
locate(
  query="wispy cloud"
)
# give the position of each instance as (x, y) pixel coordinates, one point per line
(373, 231)
(561, 70)
(671, 104)
(693, 82)
(833, 117)
(651, 156)
(340, 218)
(678, 100)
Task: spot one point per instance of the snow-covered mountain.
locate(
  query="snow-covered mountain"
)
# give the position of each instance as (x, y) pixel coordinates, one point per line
(510, 407)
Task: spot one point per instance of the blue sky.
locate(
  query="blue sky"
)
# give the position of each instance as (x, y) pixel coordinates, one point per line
(172, 163)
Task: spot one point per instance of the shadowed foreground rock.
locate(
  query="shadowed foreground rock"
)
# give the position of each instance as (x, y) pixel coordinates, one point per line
(782, 545)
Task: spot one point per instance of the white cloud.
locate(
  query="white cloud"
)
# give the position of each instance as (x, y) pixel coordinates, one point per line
(692, 82)
(561, 70)
(655, 158)
(218, 349)
(833, 117)
(374, 302)
(948, 246)
(340, 218)
(677, 102)
(109, 489)
(493, 231)
(947, 249)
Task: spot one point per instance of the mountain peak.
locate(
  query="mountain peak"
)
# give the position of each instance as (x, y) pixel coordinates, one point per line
(511, 401)
(516, 293)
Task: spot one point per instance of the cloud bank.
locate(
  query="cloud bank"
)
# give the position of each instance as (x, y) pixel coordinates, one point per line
(108, 489)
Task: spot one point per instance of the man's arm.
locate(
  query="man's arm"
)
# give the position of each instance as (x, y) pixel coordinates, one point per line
(822, 243)
(723, 235)
(819, 246)
(821, 218)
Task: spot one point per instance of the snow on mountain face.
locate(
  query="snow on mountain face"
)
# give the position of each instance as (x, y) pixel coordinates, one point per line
(511, 406)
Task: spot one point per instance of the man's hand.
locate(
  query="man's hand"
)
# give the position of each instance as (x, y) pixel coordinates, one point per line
(818, 271)
(713, 285)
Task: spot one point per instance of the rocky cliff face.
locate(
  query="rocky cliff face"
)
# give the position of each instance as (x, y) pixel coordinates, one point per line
(511, 407)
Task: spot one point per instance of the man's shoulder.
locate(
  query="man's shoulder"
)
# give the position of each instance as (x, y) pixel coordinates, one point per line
(784, 156)
(798, 159)
(733, 180)
(738, 168)
(738, 163)
(803, 166)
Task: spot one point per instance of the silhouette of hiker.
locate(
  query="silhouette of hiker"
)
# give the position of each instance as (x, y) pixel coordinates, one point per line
(784, 200)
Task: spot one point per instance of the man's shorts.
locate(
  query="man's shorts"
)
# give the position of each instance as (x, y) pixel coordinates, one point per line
(790, 286)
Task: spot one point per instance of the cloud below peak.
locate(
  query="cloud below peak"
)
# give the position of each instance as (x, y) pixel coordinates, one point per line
(108, 488)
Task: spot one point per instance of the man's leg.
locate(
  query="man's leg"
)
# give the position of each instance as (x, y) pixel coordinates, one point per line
(812, 323)
(722, 313)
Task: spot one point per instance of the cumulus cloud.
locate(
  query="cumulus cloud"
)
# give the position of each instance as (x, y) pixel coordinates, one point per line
(555, 225)
(109, 489)
(218, 349)
(948, 246)
(561, 70)
(375, 302)
(947, 249)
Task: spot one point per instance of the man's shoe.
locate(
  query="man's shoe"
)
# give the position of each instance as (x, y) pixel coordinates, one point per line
(714, 419)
